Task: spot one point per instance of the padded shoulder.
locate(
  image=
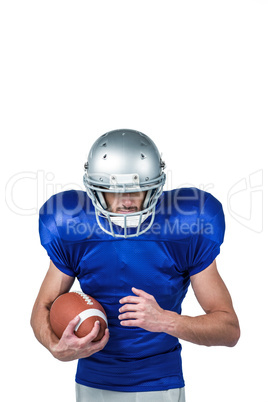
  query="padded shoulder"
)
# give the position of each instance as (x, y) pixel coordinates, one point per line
(68, 215)
(190, 201)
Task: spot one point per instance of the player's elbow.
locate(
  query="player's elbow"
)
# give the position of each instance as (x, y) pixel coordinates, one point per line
(234, 334)
(33, 320)
(236, 337)
(229, 331)
(39, 314)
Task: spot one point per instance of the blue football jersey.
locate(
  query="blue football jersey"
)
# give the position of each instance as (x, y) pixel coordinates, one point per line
(184, 239)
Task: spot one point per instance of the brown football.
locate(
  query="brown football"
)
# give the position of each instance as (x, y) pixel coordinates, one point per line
(69, 305)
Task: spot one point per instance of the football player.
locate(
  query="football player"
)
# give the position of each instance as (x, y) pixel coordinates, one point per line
(136, 249)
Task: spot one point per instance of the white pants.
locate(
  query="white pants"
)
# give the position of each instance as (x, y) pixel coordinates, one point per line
(87, 394)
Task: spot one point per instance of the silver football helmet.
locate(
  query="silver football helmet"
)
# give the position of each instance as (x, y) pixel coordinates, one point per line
(124, 161)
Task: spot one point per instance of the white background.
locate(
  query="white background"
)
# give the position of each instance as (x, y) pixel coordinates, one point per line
(190, 74)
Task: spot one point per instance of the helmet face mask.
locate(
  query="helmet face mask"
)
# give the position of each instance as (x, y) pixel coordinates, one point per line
(124, 161)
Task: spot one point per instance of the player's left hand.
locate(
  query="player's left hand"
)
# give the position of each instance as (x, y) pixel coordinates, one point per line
(141, 311)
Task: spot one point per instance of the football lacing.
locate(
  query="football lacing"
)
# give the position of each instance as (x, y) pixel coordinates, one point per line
(85, 297)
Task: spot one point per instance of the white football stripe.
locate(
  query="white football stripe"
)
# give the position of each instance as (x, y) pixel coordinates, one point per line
(90, 313)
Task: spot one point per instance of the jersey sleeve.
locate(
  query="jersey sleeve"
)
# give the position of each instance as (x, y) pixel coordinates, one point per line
(206, 241)
(52, 242)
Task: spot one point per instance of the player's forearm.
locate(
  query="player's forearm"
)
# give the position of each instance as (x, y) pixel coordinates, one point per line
(214, 329)
(42, 328)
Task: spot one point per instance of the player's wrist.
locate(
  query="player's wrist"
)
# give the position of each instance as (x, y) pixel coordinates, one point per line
(54, 349)
(169, 322)
(61, 353)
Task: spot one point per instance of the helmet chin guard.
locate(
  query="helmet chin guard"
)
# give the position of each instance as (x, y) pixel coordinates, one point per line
(124, 161)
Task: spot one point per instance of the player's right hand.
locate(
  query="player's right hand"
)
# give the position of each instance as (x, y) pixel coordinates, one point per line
(70, 347)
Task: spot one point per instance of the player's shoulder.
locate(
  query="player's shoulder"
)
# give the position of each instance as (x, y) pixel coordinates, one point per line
(184, 212)
(66, 210)
(70, 203)
(190, 201)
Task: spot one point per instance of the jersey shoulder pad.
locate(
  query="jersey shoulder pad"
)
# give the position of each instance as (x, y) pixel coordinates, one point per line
(189, 211)
(190, 202)
(63, 211)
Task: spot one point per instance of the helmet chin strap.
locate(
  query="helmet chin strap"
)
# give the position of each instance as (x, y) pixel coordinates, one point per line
(131, 221)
